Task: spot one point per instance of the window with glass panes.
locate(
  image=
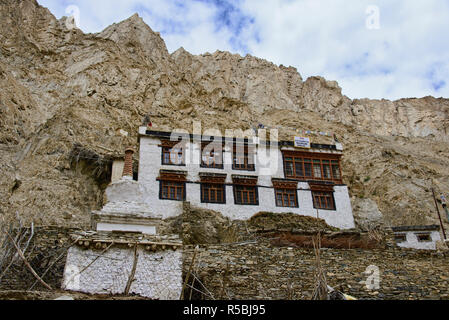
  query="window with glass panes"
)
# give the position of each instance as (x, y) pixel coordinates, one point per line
(173, 155)
(302, 167)
(213, 193)
(212, 156)
(172, 190)
(246, 195)
(323, 200)
(286, 198)
(243, 158)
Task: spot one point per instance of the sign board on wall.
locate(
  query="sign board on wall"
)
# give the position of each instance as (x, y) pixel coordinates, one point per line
(302, 142)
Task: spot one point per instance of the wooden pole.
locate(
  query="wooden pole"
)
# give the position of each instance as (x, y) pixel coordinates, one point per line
(133, 271)
(188, 273)
(439, 216)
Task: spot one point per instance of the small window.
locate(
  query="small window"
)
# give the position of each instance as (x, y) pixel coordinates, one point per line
(317, 169)
(299, 170)
(326, 170)
(336, 170)
(173, 156)
(246, 195)
(424, 237)
(286, 198)
(243, 158)
(400, 238)
(170, 190)
(212, 156)
(213, 193)
(289, 172)
(323, 200)
(308, 168)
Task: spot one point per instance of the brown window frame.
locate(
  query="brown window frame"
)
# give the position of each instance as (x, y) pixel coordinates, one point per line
(399, 238)
(286, 192)
(167, 147)
(247, 152)
(428, 237)
(319, 195)
(246, 191)
(219, 156)
(312, 166)
(215, 189)
(176, 185)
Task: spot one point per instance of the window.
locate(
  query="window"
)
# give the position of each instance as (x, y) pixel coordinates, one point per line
(213, 193)
(323, 200)
(243, 158)
(326, 169)
(424, 237)
(307, 168)
(173, 153)
(246, 195)
(172, 156)
(286, 198)
(172, 190)
(288, 165)
(172, 185)
(212, 156)
(317, 169)
(301, 165)
(336, 170)
(400, 237)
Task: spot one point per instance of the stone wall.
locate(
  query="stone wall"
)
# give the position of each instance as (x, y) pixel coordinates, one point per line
(262, 271)
(157, 275)
(46, 254)
(259, 270)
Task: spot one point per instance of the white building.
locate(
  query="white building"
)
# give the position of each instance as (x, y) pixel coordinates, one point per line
(417, 237)
(238, 178)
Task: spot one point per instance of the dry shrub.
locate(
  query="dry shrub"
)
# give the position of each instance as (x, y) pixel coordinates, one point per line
(99, 166)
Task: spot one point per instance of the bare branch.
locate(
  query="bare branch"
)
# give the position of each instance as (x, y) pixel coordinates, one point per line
(27, 264)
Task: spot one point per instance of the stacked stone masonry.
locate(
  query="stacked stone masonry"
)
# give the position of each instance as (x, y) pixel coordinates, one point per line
(257, 270)
(260, 271)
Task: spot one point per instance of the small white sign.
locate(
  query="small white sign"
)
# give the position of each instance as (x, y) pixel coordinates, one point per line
(302, 142)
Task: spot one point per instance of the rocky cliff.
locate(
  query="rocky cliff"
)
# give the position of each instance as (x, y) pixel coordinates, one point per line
(65, 95)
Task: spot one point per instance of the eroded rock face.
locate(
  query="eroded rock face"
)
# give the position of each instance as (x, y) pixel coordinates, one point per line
(367, 215)
(60, 87)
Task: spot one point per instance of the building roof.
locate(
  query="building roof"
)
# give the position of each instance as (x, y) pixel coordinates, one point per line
(416, 228)
(205, 138)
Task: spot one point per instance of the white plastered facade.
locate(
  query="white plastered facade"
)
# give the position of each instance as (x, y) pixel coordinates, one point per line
(413, 242)
(150, 164)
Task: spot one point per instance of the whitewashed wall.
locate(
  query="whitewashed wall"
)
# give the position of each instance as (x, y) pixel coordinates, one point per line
(150, 166)
(158, 275)
(413, 242)
(117, 170)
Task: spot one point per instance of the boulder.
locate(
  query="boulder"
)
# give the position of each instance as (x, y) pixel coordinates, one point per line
(367, 215)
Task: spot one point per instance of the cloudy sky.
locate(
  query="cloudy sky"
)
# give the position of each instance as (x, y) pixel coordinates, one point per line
(373, 48)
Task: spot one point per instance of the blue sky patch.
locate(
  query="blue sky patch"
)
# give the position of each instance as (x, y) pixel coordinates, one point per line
(326, 37)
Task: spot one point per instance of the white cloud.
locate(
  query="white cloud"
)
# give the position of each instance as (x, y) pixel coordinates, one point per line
(407, 57)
